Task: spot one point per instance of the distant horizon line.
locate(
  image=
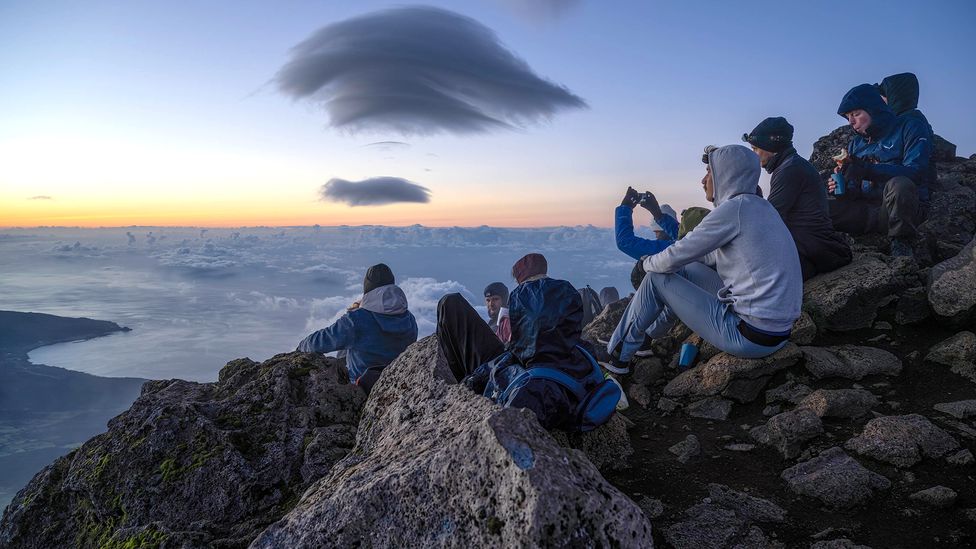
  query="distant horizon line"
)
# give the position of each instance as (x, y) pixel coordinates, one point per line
(24, 227)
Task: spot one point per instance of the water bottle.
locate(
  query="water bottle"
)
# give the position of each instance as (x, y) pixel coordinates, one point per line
(689, 352)
(839, 182)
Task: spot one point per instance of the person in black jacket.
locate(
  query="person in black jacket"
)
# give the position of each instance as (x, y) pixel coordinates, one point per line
(800, 198)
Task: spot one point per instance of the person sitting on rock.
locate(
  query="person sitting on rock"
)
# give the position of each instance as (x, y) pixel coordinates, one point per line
(735, 280)
(884, 169)
(373, 332)
(546, 316)
(797, 193)
(496, 300)
(900, 92)
(633, 245)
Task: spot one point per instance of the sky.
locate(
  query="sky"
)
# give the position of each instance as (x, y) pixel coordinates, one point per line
(525, 114)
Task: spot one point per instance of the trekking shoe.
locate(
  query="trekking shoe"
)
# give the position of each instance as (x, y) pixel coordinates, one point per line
(616, 366)
(623, 403)
(901, 248)
(646, 348)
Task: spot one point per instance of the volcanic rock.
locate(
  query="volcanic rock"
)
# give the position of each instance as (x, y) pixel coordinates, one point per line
(961, 409)
(716, 408)
(804, 330)
(846, 403)
(835, 478)
(196, 464)
(436, 464)
(791, 391)
(913, 306)
(958, 352)
(939, 497)
(738, 378)
(724, 519)
(850, 361)
(849, 297)
(902, 440)
(686, 449)
(952, 284)
(787, 432)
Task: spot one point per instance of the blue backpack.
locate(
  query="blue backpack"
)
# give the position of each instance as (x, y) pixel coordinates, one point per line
(594, 407)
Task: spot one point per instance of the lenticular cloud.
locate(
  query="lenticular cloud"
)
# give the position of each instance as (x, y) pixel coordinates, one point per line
(418, 70)
(374, 191)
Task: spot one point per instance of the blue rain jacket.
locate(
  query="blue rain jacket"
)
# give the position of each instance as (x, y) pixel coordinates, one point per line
(635, 246)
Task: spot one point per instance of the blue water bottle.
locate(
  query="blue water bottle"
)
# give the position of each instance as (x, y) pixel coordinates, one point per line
(689, 352)
(839, 182)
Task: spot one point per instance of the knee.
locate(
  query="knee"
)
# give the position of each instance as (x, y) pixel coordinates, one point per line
(900, 186)
(448, 304)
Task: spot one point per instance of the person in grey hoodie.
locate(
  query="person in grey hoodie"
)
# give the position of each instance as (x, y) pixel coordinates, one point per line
(735, 279)
(373, 332)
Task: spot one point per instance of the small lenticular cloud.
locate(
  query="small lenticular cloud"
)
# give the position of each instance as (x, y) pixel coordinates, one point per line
(41, 197)
(418, 70)
(375, 191)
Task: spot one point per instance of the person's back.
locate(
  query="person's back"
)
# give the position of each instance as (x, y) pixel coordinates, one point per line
(900, 92)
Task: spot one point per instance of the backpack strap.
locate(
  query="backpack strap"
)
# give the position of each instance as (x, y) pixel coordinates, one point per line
(561, 378)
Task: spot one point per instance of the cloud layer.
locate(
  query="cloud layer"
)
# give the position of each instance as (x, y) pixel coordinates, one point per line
(374, 191)
(418, 70)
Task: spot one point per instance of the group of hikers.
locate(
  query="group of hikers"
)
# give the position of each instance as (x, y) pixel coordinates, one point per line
(733, 275)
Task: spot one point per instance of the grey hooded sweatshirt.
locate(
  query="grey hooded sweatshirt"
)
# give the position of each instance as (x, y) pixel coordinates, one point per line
(745, 241)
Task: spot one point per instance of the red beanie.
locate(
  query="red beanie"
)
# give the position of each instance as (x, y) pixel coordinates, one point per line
(530, 265)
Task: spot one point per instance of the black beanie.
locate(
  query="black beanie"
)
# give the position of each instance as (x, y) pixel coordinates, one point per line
(772, 134)
(499, 289)
(376, 276)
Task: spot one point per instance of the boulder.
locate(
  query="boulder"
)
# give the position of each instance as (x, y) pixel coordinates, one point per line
(603, 325)
(836, 479)
(942, 150)
(849, 297)
(607, 447)
(828, 146)
(902, 440)
(961, 458)
(958, 352)
(961, 409)
(850, 361)
(738, 378)
(804, 330)
(726, 518)
(939, 497)
(716, 408)
(949, 226)
(840, 543)
(844, 403)
(952, 284)
(196, 464)
(435, 464)
(791, 391)
(787, 432)
(913, 306)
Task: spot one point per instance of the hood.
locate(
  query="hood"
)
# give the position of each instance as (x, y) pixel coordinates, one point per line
(546, 317)
(735, 171)
(868, 98)
(901, 91)
(386, 300)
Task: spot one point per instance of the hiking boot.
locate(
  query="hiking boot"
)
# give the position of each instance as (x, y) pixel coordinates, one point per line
(901, 247)
(623, 403)
(616, 366)
(646, 348)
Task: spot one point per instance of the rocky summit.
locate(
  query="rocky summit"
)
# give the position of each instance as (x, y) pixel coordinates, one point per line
(858, 433)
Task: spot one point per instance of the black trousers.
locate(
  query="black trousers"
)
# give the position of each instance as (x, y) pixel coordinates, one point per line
(465, 337)
(895, 214)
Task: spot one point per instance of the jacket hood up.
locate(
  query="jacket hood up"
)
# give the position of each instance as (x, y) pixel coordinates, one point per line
(546, 317)
(901, 91)
(387, 300)
(867, 97)
(735, 170)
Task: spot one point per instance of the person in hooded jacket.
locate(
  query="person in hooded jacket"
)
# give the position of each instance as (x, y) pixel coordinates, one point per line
(735, 279)
(900, 92)
(797, 193)
(373, 332)
(885, 171)
(546, 316)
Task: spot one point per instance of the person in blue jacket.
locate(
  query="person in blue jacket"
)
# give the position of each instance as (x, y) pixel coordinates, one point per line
(546, 315)
(373, 332)
(884, 172)
(900, 92)
(631, 244)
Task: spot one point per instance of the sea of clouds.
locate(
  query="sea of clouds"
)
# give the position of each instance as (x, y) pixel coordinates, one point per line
(197, 298)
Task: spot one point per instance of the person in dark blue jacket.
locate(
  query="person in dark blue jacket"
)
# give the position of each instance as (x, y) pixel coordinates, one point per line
(631, 244)
(373, 332)
(885, 168)
(798, 194)
(900, 92)
(546, 316)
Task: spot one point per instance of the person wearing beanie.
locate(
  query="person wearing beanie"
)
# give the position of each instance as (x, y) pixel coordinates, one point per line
(546, 320)
(496, 301)
(797, 193)
(373, 331)
(900, 92)
(885, 171)
(735, 280)
(665, 225)
(659, 231)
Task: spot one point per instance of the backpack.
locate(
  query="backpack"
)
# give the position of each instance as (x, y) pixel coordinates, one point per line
(594, 407)
(591, 304)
